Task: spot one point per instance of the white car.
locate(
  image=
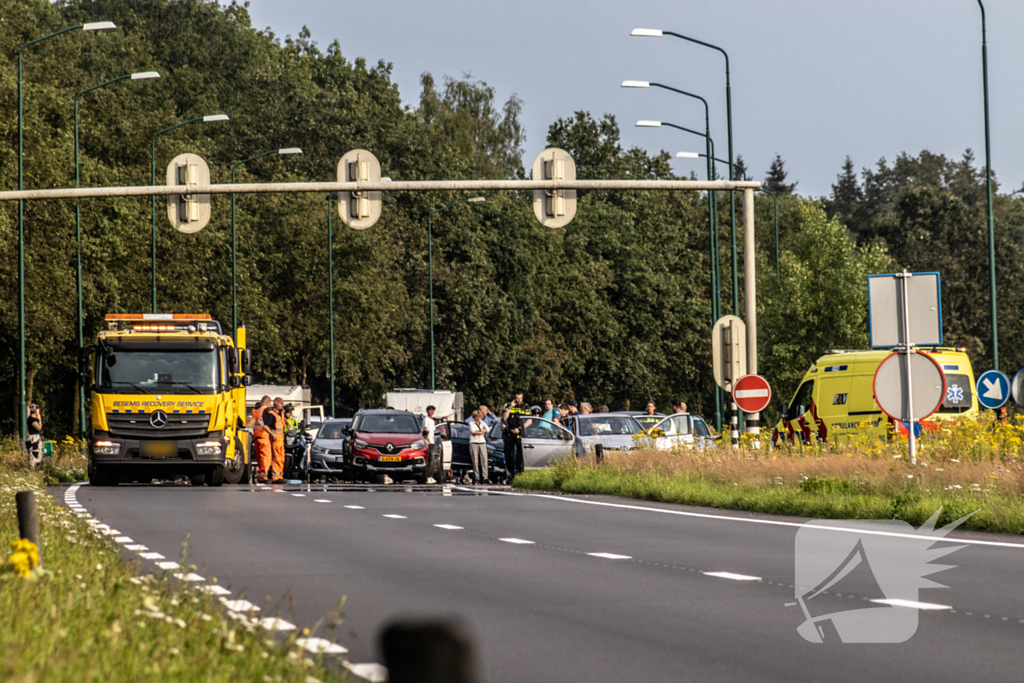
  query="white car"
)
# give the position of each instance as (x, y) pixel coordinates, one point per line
(680, 430)
(611, 430)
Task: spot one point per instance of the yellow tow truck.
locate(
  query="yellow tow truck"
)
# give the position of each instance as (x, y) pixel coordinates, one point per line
(167, 395)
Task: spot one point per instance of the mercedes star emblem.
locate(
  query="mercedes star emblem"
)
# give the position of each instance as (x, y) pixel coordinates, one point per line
(158, 419)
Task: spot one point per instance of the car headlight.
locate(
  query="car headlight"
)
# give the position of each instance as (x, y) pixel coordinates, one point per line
(106, 448)
(208, 448)
(361, 444)
(320, 450)
(418, 445)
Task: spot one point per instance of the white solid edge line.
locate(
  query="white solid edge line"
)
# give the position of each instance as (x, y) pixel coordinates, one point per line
(897, 602)
(769, 522)
(517, 541)
(191, 577)
(371, 671)
(611, 556)
(275, 624)
(731, 576)
(447, 526)
(239, 605)
(151, 556)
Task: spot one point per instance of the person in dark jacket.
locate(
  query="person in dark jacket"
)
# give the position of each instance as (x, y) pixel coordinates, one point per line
(513, 419)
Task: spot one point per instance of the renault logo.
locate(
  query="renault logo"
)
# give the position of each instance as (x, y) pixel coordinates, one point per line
(390, 448)
(158, 419)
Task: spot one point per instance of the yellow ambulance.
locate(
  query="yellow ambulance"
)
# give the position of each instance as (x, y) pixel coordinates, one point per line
(836, 397)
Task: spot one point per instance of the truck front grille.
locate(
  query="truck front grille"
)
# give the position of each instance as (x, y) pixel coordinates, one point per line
(137, 426)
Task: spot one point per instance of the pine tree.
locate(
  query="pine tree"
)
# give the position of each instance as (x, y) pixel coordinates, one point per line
(847, 197)
(775, 180)
(740, 168)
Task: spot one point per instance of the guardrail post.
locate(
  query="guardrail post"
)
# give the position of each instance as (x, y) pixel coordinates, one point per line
(28, 516)
(427, 652)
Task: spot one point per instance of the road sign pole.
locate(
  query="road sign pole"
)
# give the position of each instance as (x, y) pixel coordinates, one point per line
(906, 350)
(753, 423)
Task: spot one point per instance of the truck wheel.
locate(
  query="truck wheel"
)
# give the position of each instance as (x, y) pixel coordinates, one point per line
(235, 471)
(103, 476)
(216, 476)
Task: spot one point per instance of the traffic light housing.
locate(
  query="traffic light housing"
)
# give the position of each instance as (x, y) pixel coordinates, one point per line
(188, 212)
(359, 209)
(554, 208)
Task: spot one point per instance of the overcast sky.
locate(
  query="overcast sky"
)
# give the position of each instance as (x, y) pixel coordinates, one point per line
(814, 80)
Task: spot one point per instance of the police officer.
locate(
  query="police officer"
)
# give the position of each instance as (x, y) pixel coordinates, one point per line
(514, 419)
(289, 418)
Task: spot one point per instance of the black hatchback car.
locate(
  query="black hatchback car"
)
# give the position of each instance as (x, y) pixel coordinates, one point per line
(462, 465)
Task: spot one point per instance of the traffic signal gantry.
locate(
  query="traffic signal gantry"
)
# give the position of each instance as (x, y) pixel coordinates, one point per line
(359, 187)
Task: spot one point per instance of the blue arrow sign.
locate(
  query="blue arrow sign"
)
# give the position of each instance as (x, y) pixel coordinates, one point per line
(993, 389)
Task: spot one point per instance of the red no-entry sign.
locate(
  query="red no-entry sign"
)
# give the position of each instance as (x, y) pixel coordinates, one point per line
(752, 393)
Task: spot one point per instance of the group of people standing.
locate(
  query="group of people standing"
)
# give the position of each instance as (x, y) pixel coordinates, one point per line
(271, 420)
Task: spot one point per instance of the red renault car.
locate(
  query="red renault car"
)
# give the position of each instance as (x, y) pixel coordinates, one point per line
(390, 442)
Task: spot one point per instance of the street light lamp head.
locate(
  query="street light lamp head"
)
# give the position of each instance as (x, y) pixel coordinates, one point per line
(648, 124)
(477, 200)
(290, 150)
(99, 26)
(687, 155)
(646, 32)
(636, 84)
(142, 75)
(215, 117)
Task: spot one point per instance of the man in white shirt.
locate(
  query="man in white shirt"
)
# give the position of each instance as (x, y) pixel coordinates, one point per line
(478, 448)
(428, 432)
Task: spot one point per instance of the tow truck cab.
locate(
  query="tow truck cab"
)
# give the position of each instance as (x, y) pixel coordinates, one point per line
(167, 395)
(836, 400)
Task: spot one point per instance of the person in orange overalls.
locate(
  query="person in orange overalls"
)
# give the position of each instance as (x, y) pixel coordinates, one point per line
(262, 439)
(273, 423)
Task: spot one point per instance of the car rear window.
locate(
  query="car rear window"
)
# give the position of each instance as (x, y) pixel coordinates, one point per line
(958, 394)
(389, 424)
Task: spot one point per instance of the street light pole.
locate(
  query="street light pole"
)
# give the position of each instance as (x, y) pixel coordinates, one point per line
(657, 33)
(142, 75)
(988, 193)
(330, 292)
(430, 273)
(93, 26)
(204, 119)
(234, 240)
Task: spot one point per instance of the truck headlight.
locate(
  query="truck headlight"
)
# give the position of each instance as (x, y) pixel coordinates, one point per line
(209, 448)
(106, 448)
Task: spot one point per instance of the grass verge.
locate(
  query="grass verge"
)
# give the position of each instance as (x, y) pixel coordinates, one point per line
(826, 486)
(91, 617)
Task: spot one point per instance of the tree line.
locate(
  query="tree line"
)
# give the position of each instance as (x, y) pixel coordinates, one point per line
(613, 309)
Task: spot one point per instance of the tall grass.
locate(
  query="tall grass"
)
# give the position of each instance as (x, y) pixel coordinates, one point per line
(94, 618)
(971, 465)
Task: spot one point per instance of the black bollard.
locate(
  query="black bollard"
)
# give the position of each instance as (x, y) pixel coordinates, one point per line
(28, 516)
(427, 652)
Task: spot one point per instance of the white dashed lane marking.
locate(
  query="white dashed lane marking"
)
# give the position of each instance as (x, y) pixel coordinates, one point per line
(168, 565)
(123, 539)
(239, 605)
(215, 590)
(731, 576)
(447, 526)
(321, 500)
(913, 604)
(299, 495)
(517, 541)
(321, 646)
(136, 547)
(355, 507)
(396, 516)
(611, 556)
(191, 577)
(151, 556)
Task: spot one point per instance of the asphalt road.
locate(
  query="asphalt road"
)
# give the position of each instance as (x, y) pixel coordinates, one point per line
(551, 610)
